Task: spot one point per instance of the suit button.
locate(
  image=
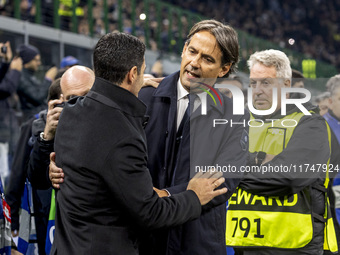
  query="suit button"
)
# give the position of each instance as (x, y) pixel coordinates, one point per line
(166, 133)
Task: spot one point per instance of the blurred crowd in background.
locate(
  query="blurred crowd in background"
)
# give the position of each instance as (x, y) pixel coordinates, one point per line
(310, 27)
(24, 100)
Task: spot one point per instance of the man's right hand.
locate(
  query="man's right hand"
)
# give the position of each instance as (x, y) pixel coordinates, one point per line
(52, 119)
(204, 185)
(55, 174)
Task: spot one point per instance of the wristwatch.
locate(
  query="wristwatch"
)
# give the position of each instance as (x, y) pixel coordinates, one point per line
(42, 137)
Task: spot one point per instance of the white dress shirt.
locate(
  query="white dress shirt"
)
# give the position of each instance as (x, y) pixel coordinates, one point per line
(182, 102)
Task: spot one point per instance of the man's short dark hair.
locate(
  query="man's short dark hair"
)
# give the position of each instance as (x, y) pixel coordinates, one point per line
(226, 38)
(115, 54)
(54, 91)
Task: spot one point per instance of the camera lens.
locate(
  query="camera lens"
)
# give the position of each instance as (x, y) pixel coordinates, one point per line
(4, 49)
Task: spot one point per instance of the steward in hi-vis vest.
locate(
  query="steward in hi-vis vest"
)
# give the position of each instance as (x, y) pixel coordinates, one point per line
(281, 206)
(65, 12)
(65, 8)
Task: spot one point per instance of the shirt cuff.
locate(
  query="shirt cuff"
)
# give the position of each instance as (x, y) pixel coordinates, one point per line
(167, 191)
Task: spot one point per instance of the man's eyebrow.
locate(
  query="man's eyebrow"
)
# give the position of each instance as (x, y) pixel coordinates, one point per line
(209, 56)
(191, 47)
(203, 55)
(260, 79)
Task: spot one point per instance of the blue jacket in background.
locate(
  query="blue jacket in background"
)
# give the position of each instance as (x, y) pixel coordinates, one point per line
(334, 124)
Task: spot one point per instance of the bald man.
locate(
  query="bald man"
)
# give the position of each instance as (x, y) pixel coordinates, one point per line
(76, 81)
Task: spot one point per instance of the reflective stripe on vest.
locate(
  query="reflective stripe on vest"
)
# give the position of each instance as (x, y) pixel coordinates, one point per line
(254, 221)
(261, 221)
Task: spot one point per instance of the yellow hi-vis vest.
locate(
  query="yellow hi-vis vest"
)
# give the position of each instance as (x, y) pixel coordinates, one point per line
(273, 221)
(67, 8)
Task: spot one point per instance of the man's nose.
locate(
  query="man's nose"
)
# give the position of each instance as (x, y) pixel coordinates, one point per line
(195, 62)
(257, 90)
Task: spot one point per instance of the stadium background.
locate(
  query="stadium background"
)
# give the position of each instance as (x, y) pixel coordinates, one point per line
(307, 31)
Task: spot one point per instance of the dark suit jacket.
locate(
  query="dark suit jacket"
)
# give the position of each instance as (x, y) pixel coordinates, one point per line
(107, 198)
(202, 146)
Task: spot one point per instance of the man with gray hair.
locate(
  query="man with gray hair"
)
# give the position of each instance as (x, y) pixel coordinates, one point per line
(322, 101)
(333, 81)
(333, 119)
(279, 207)
(333, 115)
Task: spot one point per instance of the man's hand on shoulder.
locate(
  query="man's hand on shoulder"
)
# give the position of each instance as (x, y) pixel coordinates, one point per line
(154, 82)
(56, 174)
(204, 185)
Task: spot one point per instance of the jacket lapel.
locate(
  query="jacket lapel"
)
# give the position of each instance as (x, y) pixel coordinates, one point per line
(167, 91)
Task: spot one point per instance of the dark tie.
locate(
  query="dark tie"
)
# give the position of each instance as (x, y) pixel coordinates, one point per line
(184, 120)
(178, 140)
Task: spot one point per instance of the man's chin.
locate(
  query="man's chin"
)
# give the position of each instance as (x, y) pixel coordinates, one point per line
(189, 86)
(261, 107)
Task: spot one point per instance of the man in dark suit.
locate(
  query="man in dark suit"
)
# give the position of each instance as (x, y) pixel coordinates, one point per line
(176, 145)
(107, 198)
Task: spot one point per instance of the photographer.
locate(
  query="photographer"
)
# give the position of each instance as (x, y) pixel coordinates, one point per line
(31, 91)
(16, 183)
(10, 72)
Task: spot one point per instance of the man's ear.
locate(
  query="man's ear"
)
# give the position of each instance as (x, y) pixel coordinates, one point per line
(330, 101)
(132, 75)
(287, 83)
(225, 69)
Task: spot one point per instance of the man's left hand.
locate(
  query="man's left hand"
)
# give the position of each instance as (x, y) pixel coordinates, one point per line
(154, 82)
(55, 174)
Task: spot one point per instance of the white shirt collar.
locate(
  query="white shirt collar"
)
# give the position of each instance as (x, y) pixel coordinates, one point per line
(181, 92)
